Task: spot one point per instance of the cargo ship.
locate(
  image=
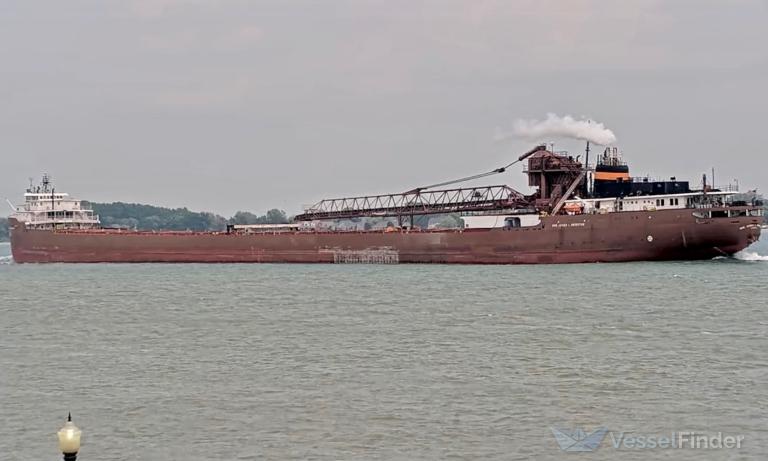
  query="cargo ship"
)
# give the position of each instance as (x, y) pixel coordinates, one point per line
(577, 214)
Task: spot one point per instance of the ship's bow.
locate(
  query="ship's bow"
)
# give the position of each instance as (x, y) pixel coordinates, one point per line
(727, 235)
(18, 233)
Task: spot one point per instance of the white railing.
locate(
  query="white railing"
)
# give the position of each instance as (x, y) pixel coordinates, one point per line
(92, 219)
(40, 208)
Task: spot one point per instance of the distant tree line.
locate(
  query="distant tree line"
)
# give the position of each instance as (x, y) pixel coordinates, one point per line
(273, 216)
(147, 217)
(3, 230)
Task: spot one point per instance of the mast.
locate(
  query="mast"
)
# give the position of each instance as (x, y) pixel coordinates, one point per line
(586, 172)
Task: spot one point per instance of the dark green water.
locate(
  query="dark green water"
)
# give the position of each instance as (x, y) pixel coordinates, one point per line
(229, 362)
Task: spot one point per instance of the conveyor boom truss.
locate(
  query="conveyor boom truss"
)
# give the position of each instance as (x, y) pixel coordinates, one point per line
(417, 202)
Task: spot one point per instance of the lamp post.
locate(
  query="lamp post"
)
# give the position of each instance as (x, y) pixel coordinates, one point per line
(69, 440)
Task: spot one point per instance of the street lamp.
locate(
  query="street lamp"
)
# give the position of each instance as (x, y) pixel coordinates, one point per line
(69, 440)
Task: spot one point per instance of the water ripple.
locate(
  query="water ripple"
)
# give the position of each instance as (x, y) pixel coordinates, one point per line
(379, 362)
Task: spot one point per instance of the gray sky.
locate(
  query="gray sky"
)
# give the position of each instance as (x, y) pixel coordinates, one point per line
(227, 105)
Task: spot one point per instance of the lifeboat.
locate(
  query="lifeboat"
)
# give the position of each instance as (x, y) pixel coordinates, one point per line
(574, 208)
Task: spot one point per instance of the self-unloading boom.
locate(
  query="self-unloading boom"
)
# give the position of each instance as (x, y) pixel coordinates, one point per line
(423, 201)
(416, 203)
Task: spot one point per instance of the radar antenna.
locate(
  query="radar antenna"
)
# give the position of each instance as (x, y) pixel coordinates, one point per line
(46, 182)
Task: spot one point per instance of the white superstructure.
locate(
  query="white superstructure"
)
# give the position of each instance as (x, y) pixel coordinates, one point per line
(488, 221)
(44, 208)
(698, 201)
(691, 200)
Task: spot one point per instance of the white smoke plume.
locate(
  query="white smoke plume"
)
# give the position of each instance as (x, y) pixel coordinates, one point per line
(566, 127)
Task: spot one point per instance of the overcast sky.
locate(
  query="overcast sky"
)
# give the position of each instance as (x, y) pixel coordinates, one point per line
(228, 105)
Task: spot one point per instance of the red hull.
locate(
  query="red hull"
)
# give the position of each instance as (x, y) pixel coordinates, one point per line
(613, 237)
